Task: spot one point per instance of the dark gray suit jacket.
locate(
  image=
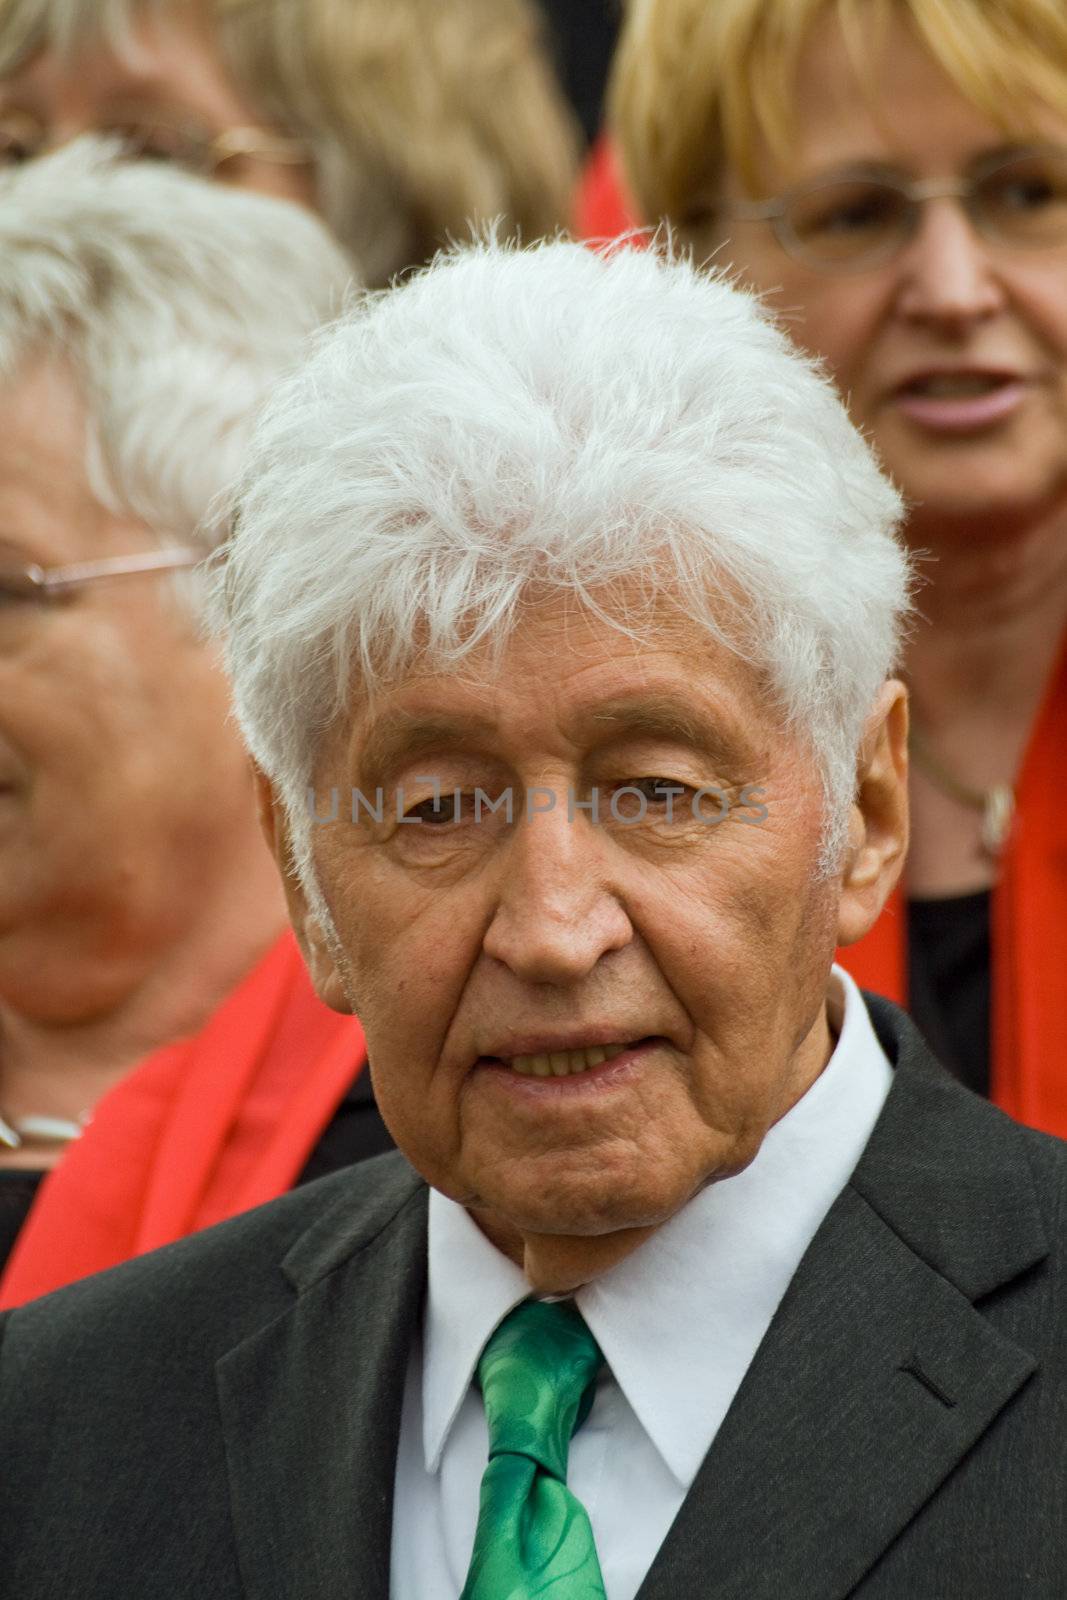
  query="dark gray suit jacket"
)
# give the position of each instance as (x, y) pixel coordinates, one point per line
(219, 1420)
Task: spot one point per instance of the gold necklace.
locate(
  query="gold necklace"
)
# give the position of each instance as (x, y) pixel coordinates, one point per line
(997, 804)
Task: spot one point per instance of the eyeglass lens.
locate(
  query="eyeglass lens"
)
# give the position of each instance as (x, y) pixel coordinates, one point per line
(858, 220)
(20, 138)
(17, 587)
(152, 138)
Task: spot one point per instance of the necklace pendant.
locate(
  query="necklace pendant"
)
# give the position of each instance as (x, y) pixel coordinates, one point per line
(40, 1130)
(997, 817)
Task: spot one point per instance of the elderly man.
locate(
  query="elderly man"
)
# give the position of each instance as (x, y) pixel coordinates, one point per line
(164, 1062)
(562, 603)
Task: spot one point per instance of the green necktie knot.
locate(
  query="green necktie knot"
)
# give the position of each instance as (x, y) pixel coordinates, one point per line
(537, 1374)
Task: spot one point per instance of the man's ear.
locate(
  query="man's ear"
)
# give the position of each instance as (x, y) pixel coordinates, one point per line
(878, 820)
(310, 934)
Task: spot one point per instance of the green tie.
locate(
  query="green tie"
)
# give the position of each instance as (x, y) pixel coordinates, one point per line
(533, 1538)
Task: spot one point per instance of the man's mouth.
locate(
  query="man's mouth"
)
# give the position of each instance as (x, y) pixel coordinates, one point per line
(564, 1063)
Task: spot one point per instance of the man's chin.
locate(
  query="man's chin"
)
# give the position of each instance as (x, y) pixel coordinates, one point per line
(568, 1243)
(560, 1263)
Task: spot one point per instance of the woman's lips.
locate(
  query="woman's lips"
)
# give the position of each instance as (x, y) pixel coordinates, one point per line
(941, 411)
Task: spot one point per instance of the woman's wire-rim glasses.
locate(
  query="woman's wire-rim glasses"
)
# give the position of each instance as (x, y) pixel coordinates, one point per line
(854, 221)
(160, 136)
(31, 584)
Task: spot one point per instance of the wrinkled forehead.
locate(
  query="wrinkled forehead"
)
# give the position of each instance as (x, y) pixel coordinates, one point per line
(561, 620)
(572, 674)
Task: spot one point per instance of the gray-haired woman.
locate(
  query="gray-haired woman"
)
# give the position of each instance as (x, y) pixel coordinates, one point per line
(163, 1062)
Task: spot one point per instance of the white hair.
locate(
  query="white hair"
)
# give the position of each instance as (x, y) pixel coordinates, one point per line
(572, 419)
(177, 303)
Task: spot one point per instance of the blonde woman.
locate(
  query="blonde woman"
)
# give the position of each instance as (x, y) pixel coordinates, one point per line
(892, 175)
(399, 120)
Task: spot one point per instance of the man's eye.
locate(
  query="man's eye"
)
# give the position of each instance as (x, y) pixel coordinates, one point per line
(657, 791)
(437, 810)
(652, 796)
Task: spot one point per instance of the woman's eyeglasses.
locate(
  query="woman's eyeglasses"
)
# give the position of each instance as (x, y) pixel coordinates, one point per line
(853, 222)
(30, 587)
(147, 135)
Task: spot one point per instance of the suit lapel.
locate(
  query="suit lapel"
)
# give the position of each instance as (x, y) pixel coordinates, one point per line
(311, 1404)
(878, 1373)
(874, 1379)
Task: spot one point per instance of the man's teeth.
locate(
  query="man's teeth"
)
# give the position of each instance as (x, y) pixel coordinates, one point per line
(564, 1063)
(953, 386)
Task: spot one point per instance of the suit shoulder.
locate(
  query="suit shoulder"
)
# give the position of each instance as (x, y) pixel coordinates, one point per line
(1047, 1155)
(218, 1283)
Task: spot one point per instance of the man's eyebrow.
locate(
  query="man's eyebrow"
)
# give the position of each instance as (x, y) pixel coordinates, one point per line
(664, 717)
(401, 736)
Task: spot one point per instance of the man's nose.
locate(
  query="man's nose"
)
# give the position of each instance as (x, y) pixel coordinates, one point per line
(557, 913)
(947, 275)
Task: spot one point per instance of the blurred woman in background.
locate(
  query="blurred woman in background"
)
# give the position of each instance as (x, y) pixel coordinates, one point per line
(892, 176)
(401, 121)
(164, 1062)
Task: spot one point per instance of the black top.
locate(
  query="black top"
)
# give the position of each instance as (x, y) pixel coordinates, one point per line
(17, 1191)
(582, 36)
(355, 1132)
(949, 981)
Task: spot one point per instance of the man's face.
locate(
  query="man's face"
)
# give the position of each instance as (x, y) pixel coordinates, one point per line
(694, 952)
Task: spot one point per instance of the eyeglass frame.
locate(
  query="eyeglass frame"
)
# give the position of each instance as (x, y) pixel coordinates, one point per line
(258, 144)
(917, 192)
(47, 585)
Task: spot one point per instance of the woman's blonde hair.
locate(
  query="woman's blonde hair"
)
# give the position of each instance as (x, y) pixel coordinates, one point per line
(697, 83)
(422, 115)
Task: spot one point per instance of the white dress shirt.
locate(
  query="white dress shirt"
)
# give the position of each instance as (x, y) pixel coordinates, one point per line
(678, 1321)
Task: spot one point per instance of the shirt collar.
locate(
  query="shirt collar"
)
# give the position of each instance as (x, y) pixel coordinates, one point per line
(685, 1313)
(471, 1288)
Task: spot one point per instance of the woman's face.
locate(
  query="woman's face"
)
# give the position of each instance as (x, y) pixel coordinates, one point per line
(123, 787)
(168, 92)
(953, 354)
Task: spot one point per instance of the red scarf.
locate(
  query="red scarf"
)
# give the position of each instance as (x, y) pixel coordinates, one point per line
(1029, 934)
(199, 1131)
(602, 209)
